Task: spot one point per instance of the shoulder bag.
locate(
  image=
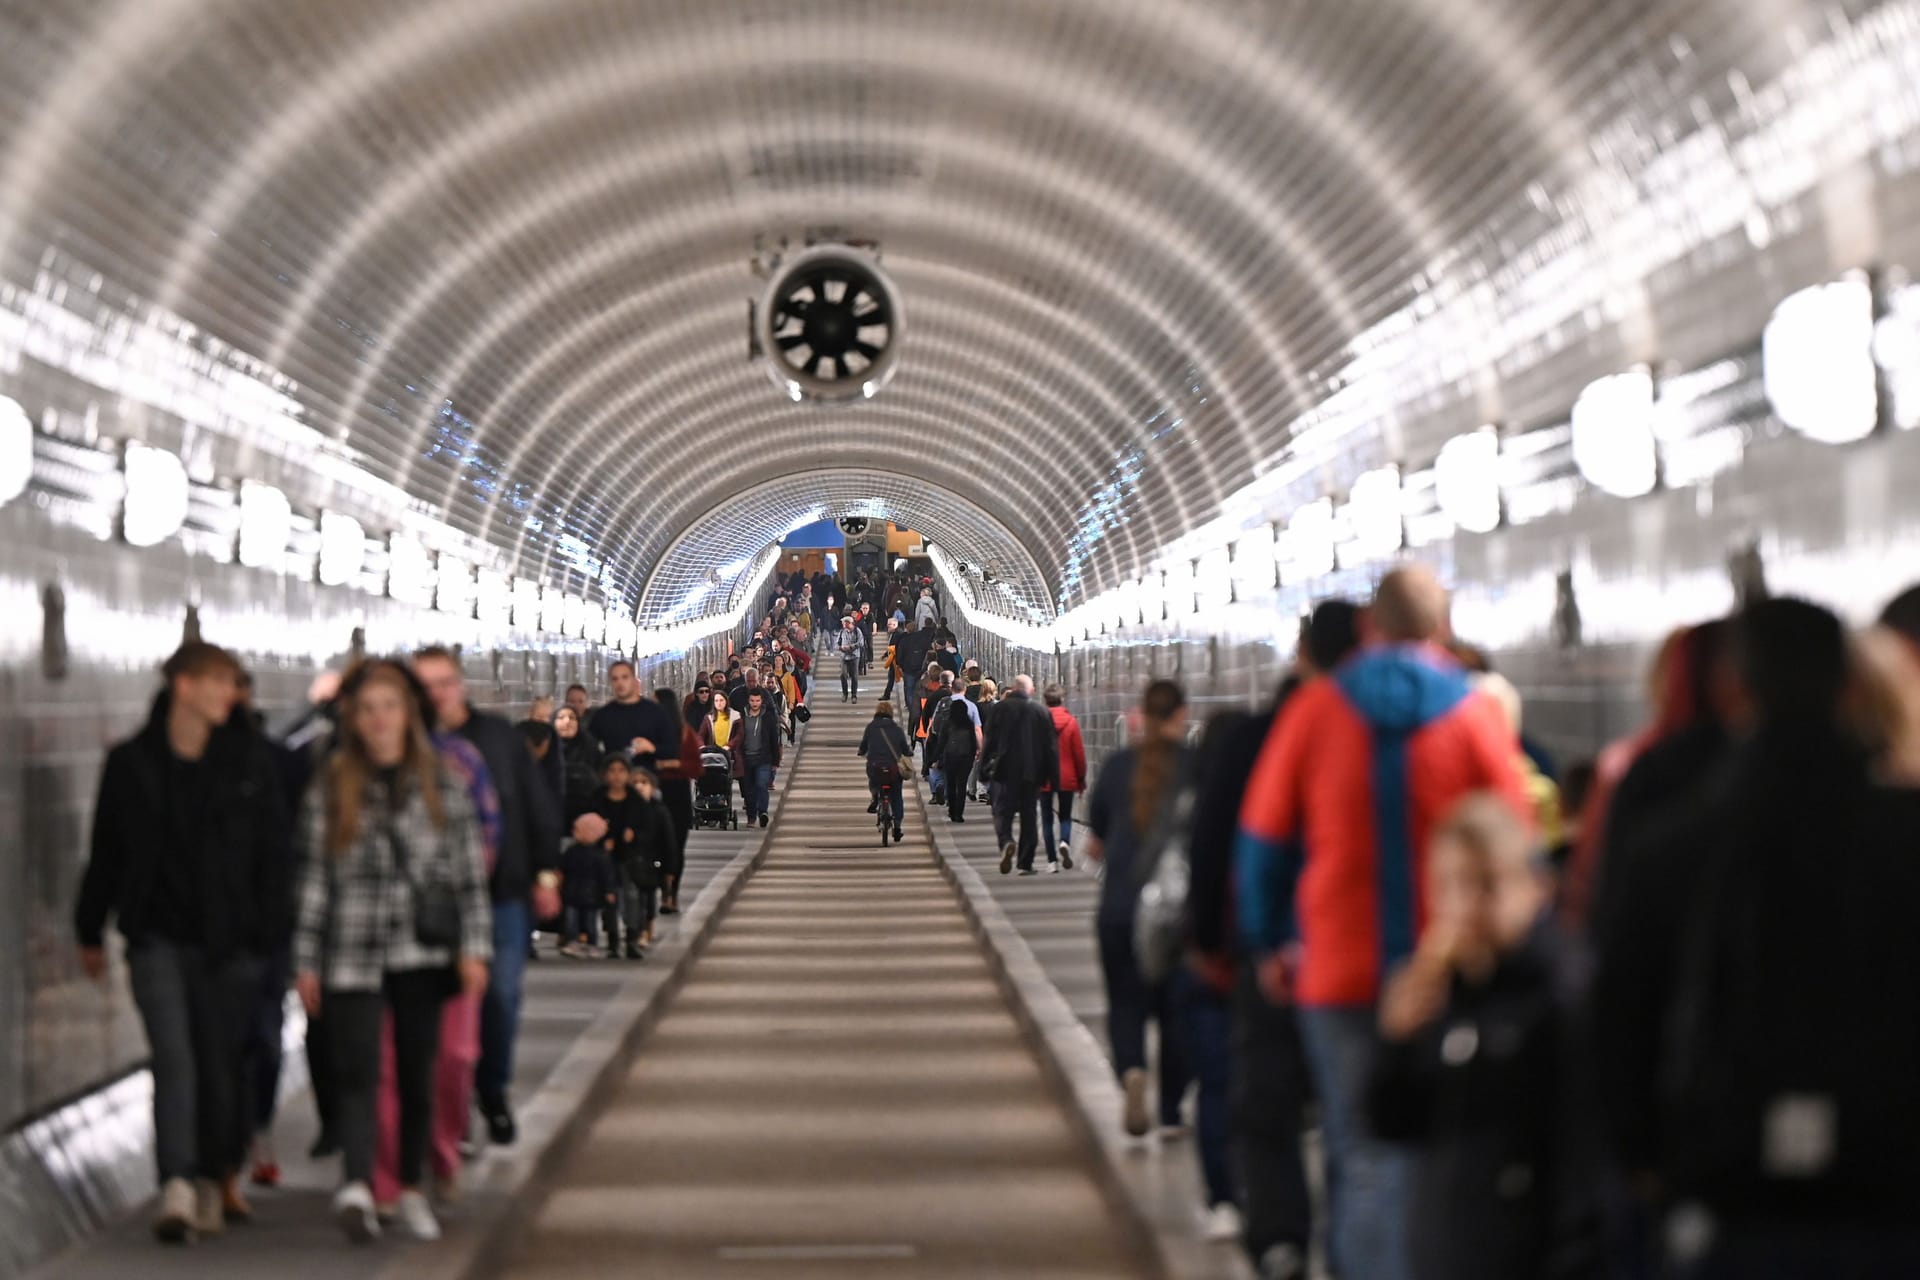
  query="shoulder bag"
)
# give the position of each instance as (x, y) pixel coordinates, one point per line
(436, 911)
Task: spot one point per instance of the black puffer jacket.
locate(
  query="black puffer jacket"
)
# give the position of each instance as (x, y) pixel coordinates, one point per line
(241, 873)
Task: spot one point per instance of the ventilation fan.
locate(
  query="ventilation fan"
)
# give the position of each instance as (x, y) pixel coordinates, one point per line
(853, 526)
(829, 325)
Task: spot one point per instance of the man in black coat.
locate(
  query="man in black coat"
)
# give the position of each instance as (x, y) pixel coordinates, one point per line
(529, 843)
(189, 858)
(1022, 752)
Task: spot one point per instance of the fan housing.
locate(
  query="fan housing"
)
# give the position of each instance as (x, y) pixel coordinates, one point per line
(829, 325)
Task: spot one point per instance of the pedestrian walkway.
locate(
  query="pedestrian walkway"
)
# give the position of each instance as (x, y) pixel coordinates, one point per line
(293, 1236)
(1043, 928)
(839, 1089)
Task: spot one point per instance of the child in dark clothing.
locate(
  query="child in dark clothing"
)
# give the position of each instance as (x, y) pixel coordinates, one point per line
(650, 843)
(621, 807)
(586, 889)
(1481, 1067)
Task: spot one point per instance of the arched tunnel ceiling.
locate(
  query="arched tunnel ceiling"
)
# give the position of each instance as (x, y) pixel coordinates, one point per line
(504, 246)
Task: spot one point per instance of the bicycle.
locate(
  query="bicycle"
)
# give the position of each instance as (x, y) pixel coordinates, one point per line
(883, 793)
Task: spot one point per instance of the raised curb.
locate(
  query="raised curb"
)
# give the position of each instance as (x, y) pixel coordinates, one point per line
(1080, 1074)
(559, 1115)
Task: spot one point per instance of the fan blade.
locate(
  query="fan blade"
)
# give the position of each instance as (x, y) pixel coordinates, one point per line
(791, 341)
(813, 365)
(796, 307)
(867, 349)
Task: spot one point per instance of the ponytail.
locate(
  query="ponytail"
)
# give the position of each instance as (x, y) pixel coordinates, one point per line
(1156, 755)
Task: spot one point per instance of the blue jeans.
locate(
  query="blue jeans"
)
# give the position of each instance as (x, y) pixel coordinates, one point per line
(1063, 800)
(1369, 1181)
(1206, 1022)
(754, 787)
(500, 1009)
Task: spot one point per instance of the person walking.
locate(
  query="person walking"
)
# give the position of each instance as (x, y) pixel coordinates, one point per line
(1355, 773)
(1058, 801)
(925, 611)
(1126, 816)
(756, 754)
(633, 722)
(579, 764)
(843, 643)
(189, 862)
(1244, 914)
(887, 752)
(393, 915)
(677, 776)
(529, 844)
(961, 737)
(1022, 752)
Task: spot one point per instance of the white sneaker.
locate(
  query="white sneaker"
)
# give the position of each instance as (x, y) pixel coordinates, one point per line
(1053, 868)
(1066, 857)
(1222, 1223)
(417, 1220)
(353, 1211)
(209, 1211)
(1135, 1118)
(178, 1210)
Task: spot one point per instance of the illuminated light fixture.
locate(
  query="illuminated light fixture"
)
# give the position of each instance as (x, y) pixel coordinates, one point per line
(1152, 597)
(156, 501)
(1466, 480)
(453, 586)
(573, 615)
(343, 549)
(1255, 558)
(494, 596)
(1817, 361)
(1178, 591)
(1613, 443)
(1309, 543)
(526, 604)
(1373, 511)
(593, 622)
(553, 610)
(16, 449)
(1896, 349)
(1213, 579)
(410, 571)
(266, 518)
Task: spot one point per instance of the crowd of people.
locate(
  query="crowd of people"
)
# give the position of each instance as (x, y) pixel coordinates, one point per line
(393, 858)
(1657, 1015)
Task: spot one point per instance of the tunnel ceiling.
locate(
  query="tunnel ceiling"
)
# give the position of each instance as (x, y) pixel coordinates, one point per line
(505, 248)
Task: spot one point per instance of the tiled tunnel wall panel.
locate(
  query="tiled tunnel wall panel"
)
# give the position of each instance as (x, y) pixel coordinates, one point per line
(1832, 525)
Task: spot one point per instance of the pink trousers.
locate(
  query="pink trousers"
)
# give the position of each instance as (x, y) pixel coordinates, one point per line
(452, 1096)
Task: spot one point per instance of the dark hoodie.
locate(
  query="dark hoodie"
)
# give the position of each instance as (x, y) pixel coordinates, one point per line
(193, 852)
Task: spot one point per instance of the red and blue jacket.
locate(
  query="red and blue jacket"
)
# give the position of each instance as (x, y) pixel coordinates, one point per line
(1352, 779)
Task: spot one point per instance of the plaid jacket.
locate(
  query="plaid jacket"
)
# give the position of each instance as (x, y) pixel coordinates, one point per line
(355, 921)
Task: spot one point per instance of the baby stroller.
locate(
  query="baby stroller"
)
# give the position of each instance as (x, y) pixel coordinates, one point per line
(713, 793)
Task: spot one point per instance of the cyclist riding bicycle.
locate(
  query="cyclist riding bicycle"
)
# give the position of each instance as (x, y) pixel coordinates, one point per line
(885, 747)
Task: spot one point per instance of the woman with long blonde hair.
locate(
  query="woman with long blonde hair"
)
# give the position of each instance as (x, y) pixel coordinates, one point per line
(393, 915)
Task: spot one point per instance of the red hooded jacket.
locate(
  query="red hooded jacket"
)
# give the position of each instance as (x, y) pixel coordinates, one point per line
(1073, 752)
